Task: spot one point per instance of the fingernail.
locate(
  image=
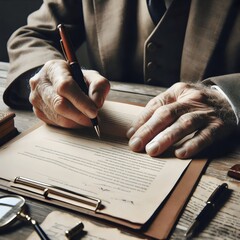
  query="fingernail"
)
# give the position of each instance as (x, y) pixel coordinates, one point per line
(152, 148)
(135, 144)
(130, 132)
(180, 153)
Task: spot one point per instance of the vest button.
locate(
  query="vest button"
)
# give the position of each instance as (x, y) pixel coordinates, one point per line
(151, 66)
(151, 46)
(149, 80)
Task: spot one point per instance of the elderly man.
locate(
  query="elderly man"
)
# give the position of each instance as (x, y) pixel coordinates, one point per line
(190, 46)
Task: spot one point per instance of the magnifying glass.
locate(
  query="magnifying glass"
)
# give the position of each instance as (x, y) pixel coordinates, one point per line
(12, 207)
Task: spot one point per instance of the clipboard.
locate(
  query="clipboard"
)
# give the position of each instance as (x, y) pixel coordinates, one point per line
(159, 226)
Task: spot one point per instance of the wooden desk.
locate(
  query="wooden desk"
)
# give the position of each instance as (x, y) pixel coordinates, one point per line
(218, 166)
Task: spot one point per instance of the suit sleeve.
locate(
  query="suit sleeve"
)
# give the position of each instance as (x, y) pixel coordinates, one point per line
(230, 85)
(31, 46)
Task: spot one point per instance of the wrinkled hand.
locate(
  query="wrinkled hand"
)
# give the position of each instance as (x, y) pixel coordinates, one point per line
(58, 100)
(182, 110)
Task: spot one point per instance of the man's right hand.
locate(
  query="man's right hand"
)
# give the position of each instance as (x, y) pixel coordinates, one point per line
(58, 100)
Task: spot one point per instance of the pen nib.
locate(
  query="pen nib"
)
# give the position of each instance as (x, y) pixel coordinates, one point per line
(97, 130)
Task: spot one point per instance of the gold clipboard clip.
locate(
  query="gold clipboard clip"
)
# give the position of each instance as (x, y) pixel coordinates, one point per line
(57, 193)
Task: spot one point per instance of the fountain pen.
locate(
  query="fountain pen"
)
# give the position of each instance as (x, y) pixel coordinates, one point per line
(212, 206)
(75, 67)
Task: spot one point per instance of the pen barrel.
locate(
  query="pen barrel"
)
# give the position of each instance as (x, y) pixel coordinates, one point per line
(218, 195)
(78, 76)
(206, 212)
(79, 79)
(214, 202)
(94, 121)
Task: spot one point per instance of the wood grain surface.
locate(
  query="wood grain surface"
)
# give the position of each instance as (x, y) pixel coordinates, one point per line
(222, 156)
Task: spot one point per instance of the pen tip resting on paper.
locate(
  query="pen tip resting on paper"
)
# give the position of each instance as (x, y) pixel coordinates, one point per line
(97, 130)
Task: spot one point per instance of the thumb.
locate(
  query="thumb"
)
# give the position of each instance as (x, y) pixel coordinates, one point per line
(99, 87)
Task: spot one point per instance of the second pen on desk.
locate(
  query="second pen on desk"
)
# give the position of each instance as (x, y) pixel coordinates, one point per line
(214, 202)
(75, 67)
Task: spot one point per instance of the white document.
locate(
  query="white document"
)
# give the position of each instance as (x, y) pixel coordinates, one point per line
(131, 185)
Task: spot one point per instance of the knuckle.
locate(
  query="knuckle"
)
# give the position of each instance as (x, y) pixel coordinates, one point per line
(58, 104)
(169, 138)
(34, 99)
(63, 86)
(170, 112)
(182, 85)
(201, 96)
(179, 87)
(148, 130)
(53, 66)
(188, 120)
(33, 82)
(155, 102)
(176, 110)
(49, 67)
(144, 116)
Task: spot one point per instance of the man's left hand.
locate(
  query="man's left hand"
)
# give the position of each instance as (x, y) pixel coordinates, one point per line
(180, 111)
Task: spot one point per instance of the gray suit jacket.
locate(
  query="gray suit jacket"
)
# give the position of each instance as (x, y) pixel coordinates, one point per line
(195, 40)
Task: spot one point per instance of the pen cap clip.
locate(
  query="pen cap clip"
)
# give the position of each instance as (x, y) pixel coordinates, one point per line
(216, 196)
(66, 44)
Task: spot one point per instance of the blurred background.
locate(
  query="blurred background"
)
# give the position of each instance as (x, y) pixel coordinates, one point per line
(13, 14)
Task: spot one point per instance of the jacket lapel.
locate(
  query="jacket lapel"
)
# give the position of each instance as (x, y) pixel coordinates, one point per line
(206, 20)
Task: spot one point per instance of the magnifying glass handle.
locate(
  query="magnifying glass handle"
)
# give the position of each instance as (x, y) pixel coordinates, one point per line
(35, 224)
(39, 230)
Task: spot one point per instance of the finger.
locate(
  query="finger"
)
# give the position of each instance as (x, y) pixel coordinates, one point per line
(198, 142)
(64, 85)
(62, 107)
(162, 118)
(42, 116)
(34, 97)
(58, 120)
(162, 99)
(146, 114)
(98, 87)
(183, 127)
(56, 109)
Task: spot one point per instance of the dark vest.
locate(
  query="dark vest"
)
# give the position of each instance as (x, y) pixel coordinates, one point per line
(163, 48)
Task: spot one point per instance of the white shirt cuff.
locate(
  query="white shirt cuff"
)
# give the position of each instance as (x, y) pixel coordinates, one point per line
(223, 93)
